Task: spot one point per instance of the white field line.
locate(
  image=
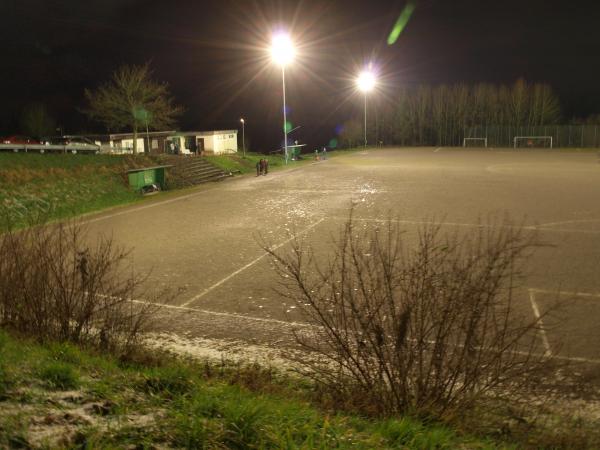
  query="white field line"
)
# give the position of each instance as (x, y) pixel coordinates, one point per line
(437, 149)
(226, 314)
(312, 326)
(250, 264)
(573, 294)
(565, 222)
(140, 208)
(470, 225)
(211, 313)
(538, 316)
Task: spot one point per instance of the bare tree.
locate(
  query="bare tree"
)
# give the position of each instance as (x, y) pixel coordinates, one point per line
(131, 99)
(54, 284)
(439, 115)
(428, 328)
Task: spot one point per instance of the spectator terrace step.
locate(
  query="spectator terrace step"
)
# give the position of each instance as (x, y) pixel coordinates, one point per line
(189, 171)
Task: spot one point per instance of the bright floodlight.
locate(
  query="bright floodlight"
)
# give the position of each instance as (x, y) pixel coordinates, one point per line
(282, 49)
(366, 81)
(242, 120)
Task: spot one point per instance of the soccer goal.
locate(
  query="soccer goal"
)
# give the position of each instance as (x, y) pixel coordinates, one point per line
(474, 142)
(533, 141)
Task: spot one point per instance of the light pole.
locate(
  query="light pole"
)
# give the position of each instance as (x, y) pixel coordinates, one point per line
(243, 136)
(366, 83)
(282, 53)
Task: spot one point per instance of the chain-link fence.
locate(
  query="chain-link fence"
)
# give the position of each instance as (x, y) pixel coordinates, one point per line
(576, 136)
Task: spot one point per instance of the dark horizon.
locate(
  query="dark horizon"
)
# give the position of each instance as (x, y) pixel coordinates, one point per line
(214, 56)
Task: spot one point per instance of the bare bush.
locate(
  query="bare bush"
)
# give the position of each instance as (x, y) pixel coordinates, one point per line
(54, 284)
(424, 328)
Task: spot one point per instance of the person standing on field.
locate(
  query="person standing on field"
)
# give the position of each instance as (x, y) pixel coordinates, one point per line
(259, 165)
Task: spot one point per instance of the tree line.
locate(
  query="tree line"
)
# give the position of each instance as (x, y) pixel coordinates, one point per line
(439, 115)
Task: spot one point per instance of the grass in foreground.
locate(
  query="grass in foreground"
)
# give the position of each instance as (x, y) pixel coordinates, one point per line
(59, 396)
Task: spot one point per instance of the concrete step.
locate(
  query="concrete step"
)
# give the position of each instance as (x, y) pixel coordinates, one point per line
(192, 170)
(199, 171)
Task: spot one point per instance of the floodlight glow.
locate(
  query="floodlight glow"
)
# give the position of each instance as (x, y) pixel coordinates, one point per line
(242, 120)
(282, 49)
(366, 81)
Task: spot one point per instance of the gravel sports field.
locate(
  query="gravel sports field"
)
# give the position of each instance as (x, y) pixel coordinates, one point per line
(206, 239)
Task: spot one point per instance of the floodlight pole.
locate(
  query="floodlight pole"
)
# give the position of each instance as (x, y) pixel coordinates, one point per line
(244, 136)
(365, 119)
(284, 116)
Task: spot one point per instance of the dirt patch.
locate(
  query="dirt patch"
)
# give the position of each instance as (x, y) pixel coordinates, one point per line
(218, 350)
(59, 417)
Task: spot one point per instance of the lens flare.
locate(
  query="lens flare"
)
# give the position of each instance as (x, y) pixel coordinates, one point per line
(401, 22)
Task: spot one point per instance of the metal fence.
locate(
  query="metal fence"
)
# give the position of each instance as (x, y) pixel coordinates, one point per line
(576, 136)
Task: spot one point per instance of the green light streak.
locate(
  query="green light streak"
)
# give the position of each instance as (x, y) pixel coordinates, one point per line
(401, 22)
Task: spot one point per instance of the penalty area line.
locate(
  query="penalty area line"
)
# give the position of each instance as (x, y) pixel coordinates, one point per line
(250, 264)
(538, 316)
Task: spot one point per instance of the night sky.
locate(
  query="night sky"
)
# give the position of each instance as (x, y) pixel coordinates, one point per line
(214, 55)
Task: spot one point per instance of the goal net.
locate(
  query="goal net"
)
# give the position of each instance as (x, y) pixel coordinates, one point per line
(533, 142)
(475, 142)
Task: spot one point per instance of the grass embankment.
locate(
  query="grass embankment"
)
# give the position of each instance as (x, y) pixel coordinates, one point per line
(60, 186)
(59, 396)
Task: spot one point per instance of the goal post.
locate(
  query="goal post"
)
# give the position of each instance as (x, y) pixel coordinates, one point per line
(533, 142)
(474, 142)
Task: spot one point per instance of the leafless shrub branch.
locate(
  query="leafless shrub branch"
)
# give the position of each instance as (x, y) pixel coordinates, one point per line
(423, 328)
(55, 284)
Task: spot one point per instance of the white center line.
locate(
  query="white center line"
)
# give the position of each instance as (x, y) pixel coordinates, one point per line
(251, 263)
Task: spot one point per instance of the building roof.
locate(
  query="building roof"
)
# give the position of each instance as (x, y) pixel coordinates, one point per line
(142, 134)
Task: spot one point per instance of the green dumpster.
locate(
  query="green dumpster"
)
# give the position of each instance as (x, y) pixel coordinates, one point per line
(139, 179)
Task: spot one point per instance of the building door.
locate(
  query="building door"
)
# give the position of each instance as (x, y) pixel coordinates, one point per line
(199, 146)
